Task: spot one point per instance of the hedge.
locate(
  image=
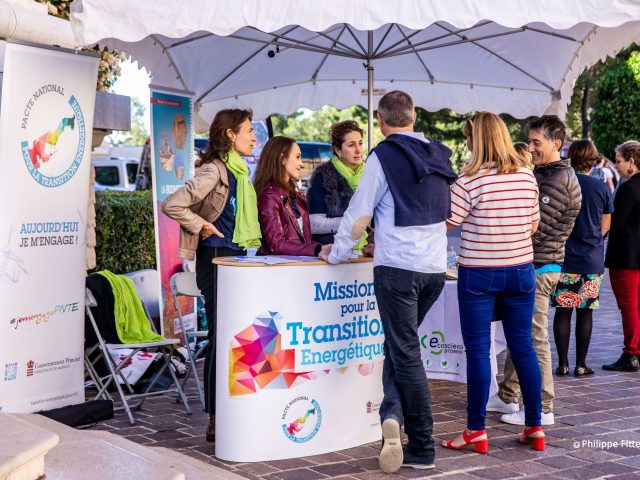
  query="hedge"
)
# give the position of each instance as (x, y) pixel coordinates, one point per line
(125, 238)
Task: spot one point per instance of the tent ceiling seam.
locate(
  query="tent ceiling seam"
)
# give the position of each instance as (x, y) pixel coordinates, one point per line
(426, 82)
(433, 39)
(315, 74)
(276, 37)
(384, 37)
(335, 41)
(364, 50)
(511, 64)
(552, 34)
(429, 74)
(464, 39)
(576, 55)
(240, 65)
(391, 47)
(171, 62)
(298, 46)
(189, 40)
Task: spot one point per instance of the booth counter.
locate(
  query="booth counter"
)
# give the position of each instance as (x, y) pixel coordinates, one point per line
(299, 357)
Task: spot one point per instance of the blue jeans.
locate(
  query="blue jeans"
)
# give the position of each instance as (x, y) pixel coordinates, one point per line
(404, 297)
(510, 293)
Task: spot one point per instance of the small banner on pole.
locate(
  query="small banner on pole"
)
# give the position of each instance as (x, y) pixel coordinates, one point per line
(172, 166)
(46, 123)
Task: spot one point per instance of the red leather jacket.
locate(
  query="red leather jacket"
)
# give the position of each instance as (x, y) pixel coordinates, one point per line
(281, 234)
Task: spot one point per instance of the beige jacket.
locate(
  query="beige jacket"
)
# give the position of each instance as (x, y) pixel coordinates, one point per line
(201, 198)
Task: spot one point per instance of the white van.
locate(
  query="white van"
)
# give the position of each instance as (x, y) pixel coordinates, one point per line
(115, 173)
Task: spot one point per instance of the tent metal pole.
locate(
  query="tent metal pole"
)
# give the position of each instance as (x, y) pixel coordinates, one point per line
(370, 89)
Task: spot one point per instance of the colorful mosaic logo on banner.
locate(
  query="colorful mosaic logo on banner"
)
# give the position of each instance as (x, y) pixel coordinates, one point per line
(53, 156)
(257, 360)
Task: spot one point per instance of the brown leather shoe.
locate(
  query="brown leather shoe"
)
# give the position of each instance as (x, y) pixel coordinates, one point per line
(211, 429)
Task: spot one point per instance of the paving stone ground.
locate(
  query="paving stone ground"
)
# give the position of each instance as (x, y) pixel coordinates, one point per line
(589, 413)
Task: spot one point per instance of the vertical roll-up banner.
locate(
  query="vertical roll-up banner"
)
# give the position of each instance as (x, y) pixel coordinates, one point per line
(46, 122)
(172, 165)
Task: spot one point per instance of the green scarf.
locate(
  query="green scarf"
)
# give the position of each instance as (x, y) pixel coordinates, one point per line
(353, 179)
(246, 232)
(351, 176)
(132, 324)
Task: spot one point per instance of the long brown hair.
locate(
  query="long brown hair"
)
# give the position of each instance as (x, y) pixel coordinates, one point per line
(491, 145)
(271, 167)
(219, 141)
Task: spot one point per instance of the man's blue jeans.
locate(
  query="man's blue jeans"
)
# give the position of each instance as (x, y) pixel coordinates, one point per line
(509, 292)
(404, 297)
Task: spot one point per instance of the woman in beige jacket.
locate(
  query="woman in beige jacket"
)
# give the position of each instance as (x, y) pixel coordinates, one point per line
(217, 214)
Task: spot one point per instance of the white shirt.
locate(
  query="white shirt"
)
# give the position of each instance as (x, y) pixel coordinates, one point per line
(419, 248)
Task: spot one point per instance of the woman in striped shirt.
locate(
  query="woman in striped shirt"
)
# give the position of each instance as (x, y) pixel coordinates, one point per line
(495, 201)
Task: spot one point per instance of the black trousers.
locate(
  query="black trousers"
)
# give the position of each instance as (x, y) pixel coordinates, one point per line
(207, 280)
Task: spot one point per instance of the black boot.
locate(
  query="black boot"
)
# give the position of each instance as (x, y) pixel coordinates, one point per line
(210, 434)
(626, 363)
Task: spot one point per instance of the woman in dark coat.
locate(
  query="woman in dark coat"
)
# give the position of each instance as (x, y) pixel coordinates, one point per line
(623, 254)
(333, 183)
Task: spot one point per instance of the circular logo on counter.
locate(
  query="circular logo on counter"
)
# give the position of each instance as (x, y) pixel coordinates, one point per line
(301, 419)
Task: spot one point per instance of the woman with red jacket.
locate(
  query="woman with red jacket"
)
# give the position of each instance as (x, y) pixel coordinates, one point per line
(282, 210)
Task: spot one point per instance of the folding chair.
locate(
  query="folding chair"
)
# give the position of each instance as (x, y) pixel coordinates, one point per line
(184, 284)
(125, 390)
(89, 362)
(188, 265)
(146, 283)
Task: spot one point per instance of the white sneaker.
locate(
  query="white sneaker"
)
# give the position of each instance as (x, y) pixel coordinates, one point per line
(517, 418)
(495, 404)
(391, 455)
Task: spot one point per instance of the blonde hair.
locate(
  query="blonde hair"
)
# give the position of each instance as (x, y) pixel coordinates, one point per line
(523, 149)
(491, 146)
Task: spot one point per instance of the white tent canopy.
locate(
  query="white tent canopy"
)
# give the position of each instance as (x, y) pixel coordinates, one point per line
(508, 56)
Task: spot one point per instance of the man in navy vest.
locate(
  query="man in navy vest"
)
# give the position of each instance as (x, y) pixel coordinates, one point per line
(405, 189)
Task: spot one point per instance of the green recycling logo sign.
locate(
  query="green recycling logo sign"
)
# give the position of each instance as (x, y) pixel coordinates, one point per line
(433, 342)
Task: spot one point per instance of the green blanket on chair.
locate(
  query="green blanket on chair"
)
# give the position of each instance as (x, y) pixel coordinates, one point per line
(132, 323)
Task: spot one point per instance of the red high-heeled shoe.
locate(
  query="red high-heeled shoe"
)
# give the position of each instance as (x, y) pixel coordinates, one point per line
(532, 437)
(480, 446)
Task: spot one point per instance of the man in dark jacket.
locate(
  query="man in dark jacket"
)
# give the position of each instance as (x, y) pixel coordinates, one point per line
(560, 200)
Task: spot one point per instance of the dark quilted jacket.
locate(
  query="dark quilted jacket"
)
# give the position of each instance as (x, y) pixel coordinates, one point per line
(338, 191)
(560, 200)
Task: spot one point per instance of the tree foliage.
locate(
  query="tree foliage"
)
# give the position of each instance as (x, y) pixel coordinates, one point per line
(313, 126)
(617, 115)
(444, 125)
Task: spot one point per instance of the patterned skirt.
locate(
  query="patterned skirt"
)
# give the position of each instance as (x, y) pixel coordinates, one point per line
(577, 291)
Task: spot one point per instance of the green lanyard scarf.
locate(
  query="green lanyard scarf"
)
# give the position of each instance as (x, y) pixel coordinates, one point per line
(353, 178)
(246, 232)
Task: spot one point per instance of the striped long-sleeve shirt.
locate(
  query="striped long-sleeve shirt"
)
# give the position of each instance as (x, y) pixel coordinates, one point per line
(496, 213)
